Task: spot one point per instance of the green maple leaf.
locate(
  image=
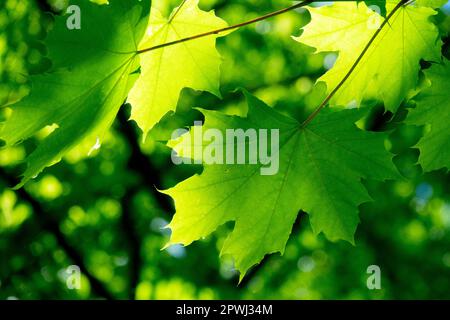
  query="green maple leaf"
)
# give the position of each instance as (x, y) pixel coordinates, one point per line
(92, 72)
(433, 110)
(165, 72)
(389, 70)
(320, 172)
(431, 3)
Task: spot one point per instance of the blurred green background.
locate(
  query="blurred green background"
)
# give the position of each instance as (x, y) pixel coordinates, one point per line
(103, 213)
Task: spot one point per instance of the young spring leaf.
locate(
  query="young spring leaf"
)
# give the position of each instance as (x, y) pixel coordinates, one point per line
(93, 69)
(320, 172)
(433, 110)
(390, 68)
(166, 71)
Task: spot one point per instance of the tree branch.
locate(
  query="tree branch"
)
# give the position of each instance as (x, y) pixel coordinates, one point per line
(134, 241)
(52, 226)
(44, 6)
(140, 163)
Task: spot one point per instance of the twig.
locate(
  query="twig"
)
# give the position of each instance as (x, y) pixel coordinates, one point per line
(176, 12)
(222, 30)
(355, 64)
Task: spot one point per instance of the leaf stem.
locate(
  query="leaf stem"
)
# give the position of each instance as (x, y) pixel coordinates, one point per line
(222, 30)
(355, 64)
(176, 12)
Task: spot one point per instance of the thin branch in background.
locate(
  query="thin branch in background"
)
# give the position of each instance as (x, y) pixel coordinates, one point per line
(134, 241)
(141, 164)
(44, 6)
(52, 226)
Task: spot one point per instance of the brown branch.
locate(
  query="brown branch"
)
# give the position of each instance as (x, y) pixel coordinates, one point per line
(140, 163)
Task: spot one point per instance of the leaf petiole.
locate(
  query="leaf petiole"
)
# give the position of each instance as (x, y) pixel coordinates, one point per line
(222, 30)
(355, 64)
